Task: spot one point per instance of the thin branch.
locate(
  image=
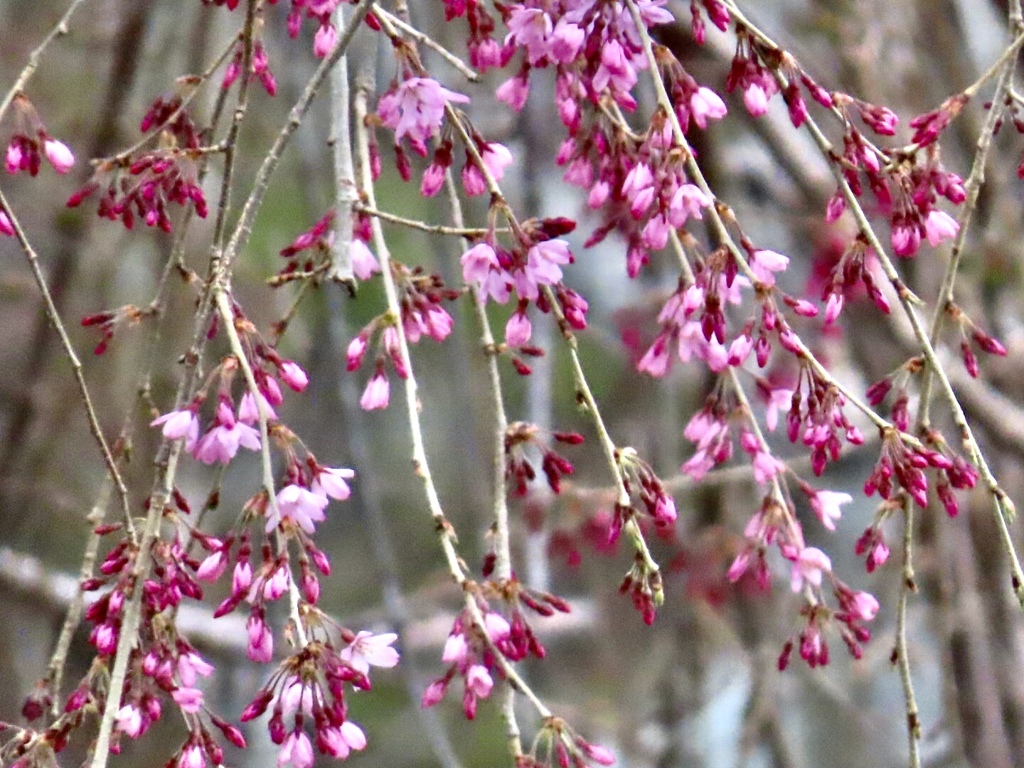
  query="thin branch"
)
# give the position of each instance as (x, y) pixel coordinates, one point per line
(345, 194)
(407, 29)
(434, 229)
(59, 30)
(902, 650)
(76, 366)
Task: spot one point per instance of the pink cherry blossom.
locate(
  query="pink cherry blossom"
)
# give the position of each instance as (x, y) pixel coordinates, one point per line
(293, 375)
(514, 92)
(706, 105)
(60, 157)
(377, 393)
(324, 39)
(939, 226)
(364, 263)
(826, 506)
(481, 269)
(518, 329)
(368, 649)
(296, 750)
(299, 505)
(478, 680)
(179, 424)
(192, 757)
(129, 720)
(755, 100)
(415, 109)
(764, 264)
(6, 227)
(808, 568)
(221, 443)
(248, 410)
(189, 699)
(864, 606)
(190, 665)
(330, 481)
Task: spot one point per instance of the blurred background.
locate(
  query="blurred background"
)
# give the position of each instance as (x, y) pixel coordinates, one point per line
(700, 687)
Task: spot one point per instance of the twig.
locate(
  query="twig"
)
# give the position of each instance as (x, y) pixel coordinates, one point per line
(340, 269)
(59, 30)
(421, 466)
(228, 320)
(76, 366)
(434, 229)
(469, 73)
(901, 650)
(502, 550)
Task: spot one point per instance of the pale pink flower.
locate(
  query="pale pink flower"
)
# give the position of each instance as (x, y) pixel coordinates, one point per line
(518, 329)
(766, 467)
(189, 699)
(655, 361)
(864, 606)
(687, 202)
(179, 424)
(566, 41)
(364, 263)
(481, 269)
(370, 650)
(192, 757)
(665, 510)
(705, 104)
(808, 568)
(415, 109)
(833, 307)
(542, 267)
(261, 640)
(296, 750)
(293, 375)
(14, 157)
(59, 155)
(129, 720)
(826, 506)
(616, 71)
(497, 626)
(330, 481)
(213, 567)
(275, 586)
(530, 28)
(340, 741)
(939, 226)
(222, 442)
(324, 39)
(764, 264)
(249, 411)
(478, 680)
(779, 399)
(455, 649)
(514, 92)
(191, 664)
(300, 505)
(377, 393)
(755, 100)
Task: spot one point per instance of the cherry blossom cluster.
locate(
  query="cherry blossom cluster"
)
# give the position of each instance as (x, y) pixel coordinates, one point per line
(259, 67)
(558, 744)
(422, 315)
(473, 654)
(30, 142)
(522, 439)
(309, 253)
(309, 687)
(145, 185)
